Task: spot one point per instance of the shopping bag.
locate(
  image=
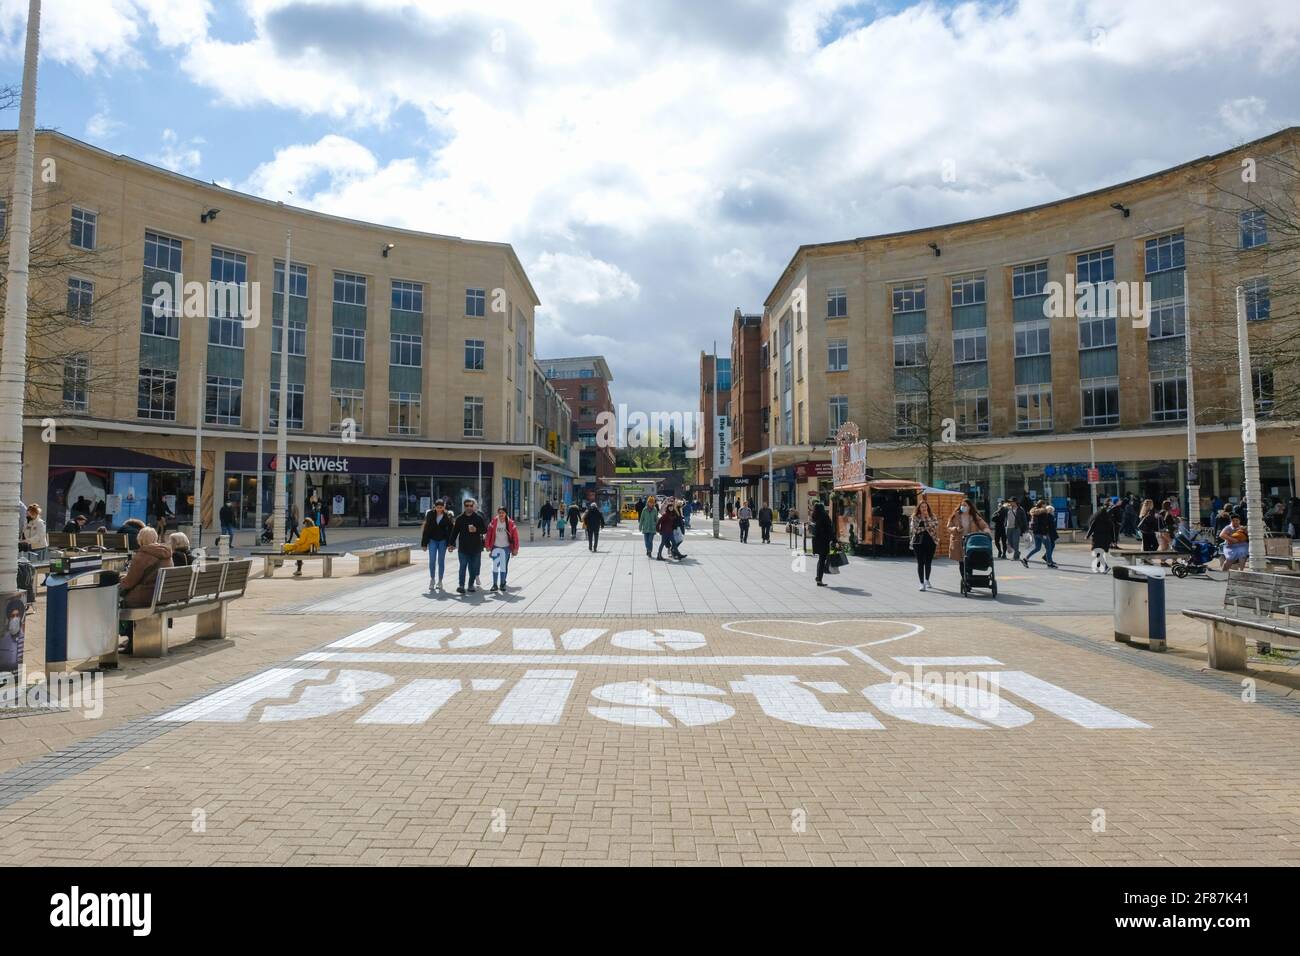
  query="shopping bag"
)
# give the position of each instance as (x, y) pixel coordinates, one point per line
(678, 536)
(839, 559)
(832, 568)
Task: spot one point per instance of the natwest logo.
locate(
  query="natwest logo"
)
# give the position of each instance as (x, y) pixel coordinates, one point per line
(312, 463)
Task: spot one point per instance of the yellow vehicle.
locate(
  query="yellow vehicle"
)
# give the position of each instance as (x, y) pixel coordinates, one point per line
(628, 514)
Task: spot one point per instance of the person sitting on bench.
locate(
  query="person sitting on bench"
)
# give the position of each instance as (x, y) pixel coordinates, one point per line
(137, 583)
(308, 540)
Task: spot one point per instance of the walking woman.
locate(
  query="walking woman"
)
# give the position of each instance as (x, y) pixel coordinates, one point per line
(965, 520)
(575, 519)
(1102, 533)
(1042, 522)
(1167, 519)
(822, 538)
(435, 536)
(1236, 547)
(502, 545)
(34, 533)
(925, 540)
(667, 524)
(647, 523)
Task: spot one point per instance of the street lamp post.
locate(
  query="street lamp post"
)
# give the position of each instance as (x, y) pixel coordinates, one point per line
(196, 510)
(13, 359)
(1193, 467)
(717, 479)
(280, 510)
(1249, 449)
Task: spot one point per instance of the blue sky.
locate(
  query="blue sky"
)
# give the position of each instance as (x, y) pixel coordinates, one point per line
(656, 164)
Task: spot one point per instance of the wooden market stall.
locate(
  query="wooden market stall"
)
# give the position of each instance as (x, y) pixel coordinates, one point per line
(885, 509)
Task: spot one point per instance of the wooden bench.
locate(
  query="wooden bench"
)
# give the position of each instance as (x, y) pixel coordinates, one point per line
(1291, 563)
(276, 559)
(1133, 557)
(383, 557)
(191, 591)
(89, 541)
(1250, 603)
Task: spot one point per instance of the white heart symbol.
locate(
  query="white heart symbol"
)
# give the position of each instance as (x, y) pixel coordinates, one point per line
(735, 628)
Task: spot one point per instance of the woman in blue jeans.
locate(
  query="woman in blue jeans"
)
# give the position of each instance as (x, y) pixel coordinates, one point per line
(648, 523)
(1042, 522)
(435, 536)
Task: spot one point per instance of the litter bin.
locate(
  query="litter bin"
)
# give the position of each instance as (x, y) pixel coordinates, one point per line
(1140, 605)
(81, 622)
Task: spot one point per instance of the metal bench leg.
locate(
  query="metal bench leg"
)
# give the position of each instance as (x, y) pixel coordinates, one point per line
(211, 625)
(150, 638)
(1226, 647)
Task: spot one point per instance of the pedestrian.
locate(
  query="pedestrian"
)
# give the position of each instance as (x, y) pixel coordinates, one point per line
(131, 527)
(1222, 519)
(547, 515)
(1148, 525)
(687, 508)
(765, 523)
(664, 525)
(1017, 526)
(679, 528)
(1042, 522)
(435, 536)
(1101, 532)
(999, 522)
(467, 541)
(1130, 525)
(744, 514)
(35, 535)
(1167, 524)
(823, 537)
(964, 521)
(227, 518)
(1293, 517)
(502, 545)
(647, 523)
(179, 543)
(593, 521)
(1236, 547)
(74, 524)
(925, 540)
(560, 520)
(640, 505)
(575, 519)
(306, 542)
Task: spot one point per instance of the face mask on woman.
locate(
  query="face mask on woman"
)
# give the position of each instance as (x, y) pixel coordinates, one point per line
(964, 509)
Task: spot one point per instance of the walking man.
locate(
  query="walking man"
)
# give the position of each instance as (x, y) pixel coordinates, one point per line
(467, 541)
(765, 523)
(744, 514)
(575, 519)
(593, 521)
(547, 515)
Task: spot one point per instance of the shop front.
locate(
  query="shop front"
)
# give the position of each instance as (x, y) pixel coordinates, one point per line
(348, 491)
(111, 485)
(422, 481)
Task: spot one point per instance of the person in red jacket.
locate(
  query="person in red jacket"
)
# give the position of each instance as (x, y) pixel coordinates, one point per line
(502, 542)
(667, 525)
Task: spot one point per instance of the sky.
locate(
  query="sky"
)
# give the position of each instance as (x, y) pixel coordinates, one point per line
(656, 163)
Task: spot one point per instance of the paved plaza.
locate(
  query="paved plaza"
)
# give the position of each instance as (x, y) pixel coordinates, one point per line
(611, 709)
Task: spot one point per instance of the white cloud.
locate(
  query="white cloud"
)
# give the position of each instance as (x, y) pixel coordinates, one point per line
(102, 126)
(180, 156)
(569, 279)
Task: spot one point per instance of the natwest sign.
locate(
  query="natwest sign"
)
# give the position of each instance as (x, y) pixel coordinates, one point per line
(313, 463)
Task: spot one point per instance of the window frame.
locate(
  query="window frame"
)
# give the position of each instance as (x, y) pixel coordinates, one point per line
(89, 221)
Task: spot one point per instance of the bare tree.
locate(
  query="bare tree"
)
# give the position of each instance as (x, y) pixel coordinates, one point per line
(923, 418)
(1253, 238)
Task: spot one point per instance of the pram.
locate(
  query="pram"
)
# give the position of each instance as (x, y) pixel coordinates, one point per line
(977, 564)
(1195, 554)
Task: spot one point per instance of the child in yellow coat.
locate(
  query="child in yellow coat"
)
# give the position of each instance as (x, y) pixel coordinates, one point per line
(307, 542)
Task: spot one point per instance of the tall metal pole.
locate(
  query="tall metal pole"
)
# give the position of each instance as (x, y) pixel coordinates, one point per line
(1092, 485)
(1250, 450)
(1193, 468)
(196, 528)
(261, 423)
(771, 503)
(480, 481)
(532, 494)
(280, 512)
(717, 479)
(13, 359)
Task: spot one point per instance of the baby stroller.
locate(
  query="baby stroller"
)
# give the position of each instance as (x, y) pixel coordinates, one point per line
(1196, 554)
(977, 564)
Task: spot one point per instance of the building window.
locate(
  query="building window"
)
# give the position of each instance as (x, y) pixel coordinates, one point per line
(223, 405)
(1256, 293)
(1168, 319)
(408, 296)
(839, 413)
(837, 355)
(297, 280)
(1168, 395)
(909, 351)
(967, 290)
(346, 404)
(83, 228)
(909, 297)
(1097, 266)
(474, 416)
(476, 303)
(226, 331)
(1096, 333)
(295, 394)
(156, 399)
(1033, 408)
(405, 350)
(1100, 401)
(1164, 253)
(297, 337)
(81, 300)
(475, 355)
(586, 393)
(229, 274)
(162, 252)
(969, 345)
(971, 409)
(1261, 381)
(1254, 228)
(909, 413)
(1028, 280)
(1034, 338)
(837, 304)
(349, 344)
(76, 383)
(403, 413)
(349, 289)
